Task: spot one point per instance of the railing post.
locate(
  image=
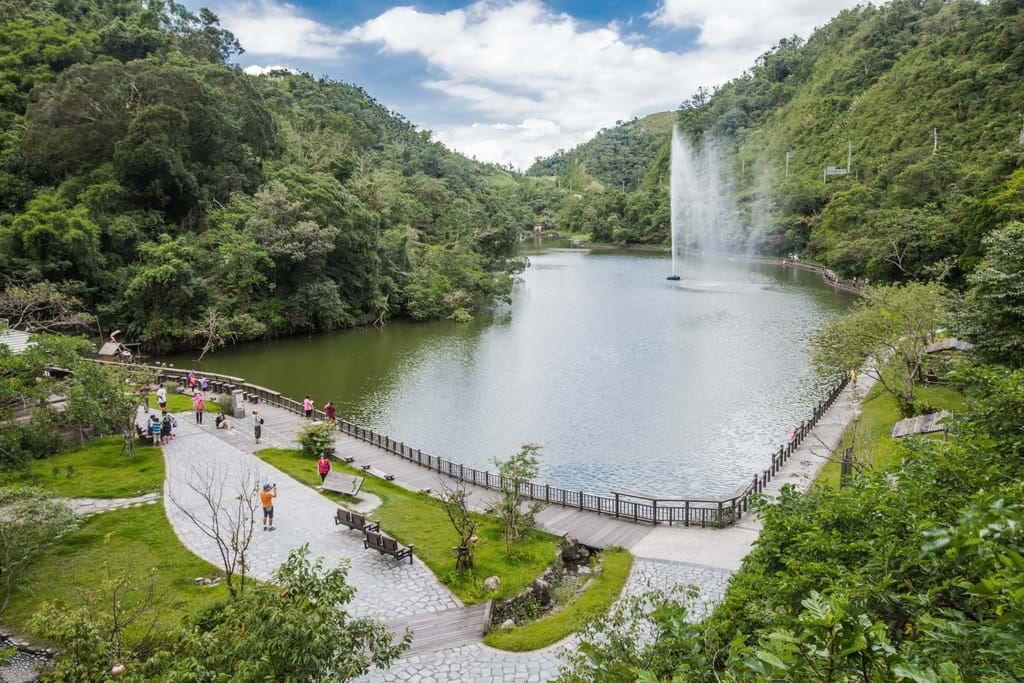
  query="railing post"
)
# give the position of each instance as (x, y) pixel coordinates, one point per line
(721, 519)
(581, 500)
(547, 493)
(616, 504)
(654, 511)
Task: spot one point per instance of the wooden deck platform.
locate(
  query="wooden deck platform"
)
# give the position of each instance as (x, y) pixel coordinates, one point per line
(443, 630)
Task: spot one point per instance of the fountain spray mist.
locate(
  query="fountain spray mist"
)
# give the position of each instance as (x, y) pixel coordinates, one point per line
(703, 199)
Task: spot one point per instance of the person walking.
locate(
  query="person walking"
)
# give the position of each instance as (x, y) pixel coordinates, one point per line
(165, 428)
(200, 406)
(307, 407)
(329, 411)
(204, 385)
(161, 397)
(257, 425)
(191, 383)
(267, 496)
(323, 466)
(154, 428)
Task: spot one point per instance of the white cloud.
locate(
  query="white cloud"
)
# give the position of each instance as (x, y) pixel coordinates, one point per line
(519, 62)
(266, 27)
(503, 142)
(535, 80)
(742, 23)
(257, 70)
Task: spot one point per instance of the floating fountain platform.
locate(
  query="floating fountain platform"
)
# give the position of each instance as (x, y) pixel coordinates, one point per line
(672, 277)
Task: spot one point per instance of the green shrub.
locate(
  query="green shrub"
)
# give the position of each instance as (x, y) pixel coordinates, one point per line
(317, 437)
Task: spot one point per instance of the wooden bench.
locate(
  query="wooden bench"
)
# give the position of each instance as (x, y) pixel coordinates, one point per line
(355, 521)
(144, 436)
(343, 483)
(386, 545)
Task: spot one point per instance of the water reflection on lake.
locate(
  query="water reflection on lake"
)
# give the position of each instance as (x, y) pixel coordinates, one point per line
(625, 379)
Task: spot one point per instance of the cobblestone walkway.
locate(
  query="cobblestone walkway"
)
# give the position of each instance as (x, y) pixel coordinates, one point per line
(91, 506)
(385, 589)
(481, 663)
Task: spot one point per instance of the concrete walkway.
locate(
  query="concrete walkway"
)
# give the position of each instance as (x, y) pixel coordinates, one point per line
(386, 589)
(92, 506)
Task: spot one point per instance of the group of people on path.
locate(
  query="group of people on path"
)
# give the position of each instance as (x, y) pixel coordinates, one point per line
(309, 412)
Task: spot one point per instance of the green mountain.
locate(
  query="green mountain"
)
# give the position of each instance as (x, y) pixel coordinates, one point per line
(190, 204)
(615, 157)
(882, 80)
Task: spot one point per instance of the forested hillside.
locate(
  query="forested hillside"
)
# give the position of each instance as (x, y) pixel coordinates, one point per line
(615, 157)
(190, 204)
(881, 79)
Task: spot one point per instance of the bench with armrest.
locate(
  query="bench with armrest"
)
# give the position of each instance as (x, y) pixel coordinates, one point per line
(386, 545)
(355, 521)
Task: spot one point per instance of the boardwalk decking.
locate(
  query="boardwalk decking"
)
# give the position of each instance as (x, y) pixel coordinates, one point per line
(442, 630)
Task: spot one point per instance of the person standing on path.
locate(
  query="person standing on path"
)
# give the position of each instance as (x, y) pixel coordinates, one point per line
(200, 406)
(329, 411)
(154, 430)
(307, 407)
(323, 466)
(161, 397)
(257, 425)
(267, 496)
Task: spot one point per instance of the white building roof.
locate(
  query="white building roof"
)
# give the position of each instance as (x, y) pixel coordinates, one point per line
(16, 340)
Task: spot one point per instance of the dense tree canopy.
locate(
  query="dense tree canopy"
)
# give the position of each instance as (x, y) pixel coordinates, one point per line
(165, 189)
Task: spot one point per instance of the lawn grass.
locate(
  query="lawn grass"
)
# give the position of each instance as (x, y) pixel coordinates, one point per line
(182, 403)
(593, 603)
(137, 542)
(419, 519)
(98, 470)
(879, 412)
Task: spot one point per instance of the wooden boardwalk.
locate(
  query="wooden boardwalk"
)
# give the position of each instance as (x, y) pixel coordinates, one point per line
(443, 630)
(599, 531)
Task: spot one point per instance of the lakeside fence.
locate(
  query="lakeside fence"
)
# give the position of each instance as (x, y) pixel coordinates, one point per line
(626, 505)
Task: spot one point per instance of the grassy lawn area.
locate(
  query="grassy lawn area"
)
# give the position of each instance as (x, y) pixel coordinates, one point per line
(180, 403)
(136, 542)
(595, 602)
(98, 470)
(879, 412)
(419, 519)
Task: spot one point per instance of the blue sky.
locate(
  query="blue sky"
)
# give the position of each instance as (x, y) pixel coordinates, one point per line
(509, 80)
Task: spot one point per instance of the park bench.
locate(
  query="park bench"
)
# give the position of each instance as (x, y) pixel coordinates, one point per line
(380, 474)
(144, 437)
(355, 521)
(343, 483)
(386, 545)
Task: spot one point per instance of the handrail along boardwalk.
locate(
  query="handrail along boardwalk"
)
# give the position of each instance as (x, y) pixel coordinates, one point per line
(624, 505)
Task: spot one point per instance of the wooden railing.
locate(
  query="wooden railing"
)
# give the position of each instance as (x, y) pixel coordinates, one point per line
(625, 505)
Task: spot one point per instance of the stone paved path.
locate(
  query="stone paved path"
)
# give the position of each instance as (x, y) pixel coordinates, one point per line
(386, 589)
(481, 663)
(91, 506)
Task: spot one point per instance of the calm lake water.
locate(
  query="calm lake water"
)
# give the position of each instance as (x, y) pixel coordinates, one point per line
(625, 379)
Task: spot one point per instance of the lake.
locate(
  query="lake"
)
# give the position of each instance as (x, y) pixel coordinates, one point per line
(625, 379)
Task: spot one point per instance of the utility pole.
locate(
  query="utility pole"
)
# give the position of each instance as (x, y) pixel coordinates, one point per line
(788, 153)
(849, 156)
(1021, 140)
(935, 140)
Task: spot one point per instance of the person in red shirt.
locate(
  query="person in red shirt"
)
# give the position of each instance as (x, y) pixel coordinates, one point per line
(323, 466)
(329, 411)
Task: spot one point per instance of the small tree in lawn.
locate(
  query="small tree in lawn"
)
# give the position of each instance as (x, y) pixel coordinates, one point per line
(886, 336)
(31, 518)
(226, 514)
(315, 438)
(516, 515)
(456, 506)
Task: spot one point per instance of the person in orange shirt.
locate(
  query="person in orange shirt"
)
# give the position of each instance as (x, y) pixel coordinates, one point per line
(267, 496)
